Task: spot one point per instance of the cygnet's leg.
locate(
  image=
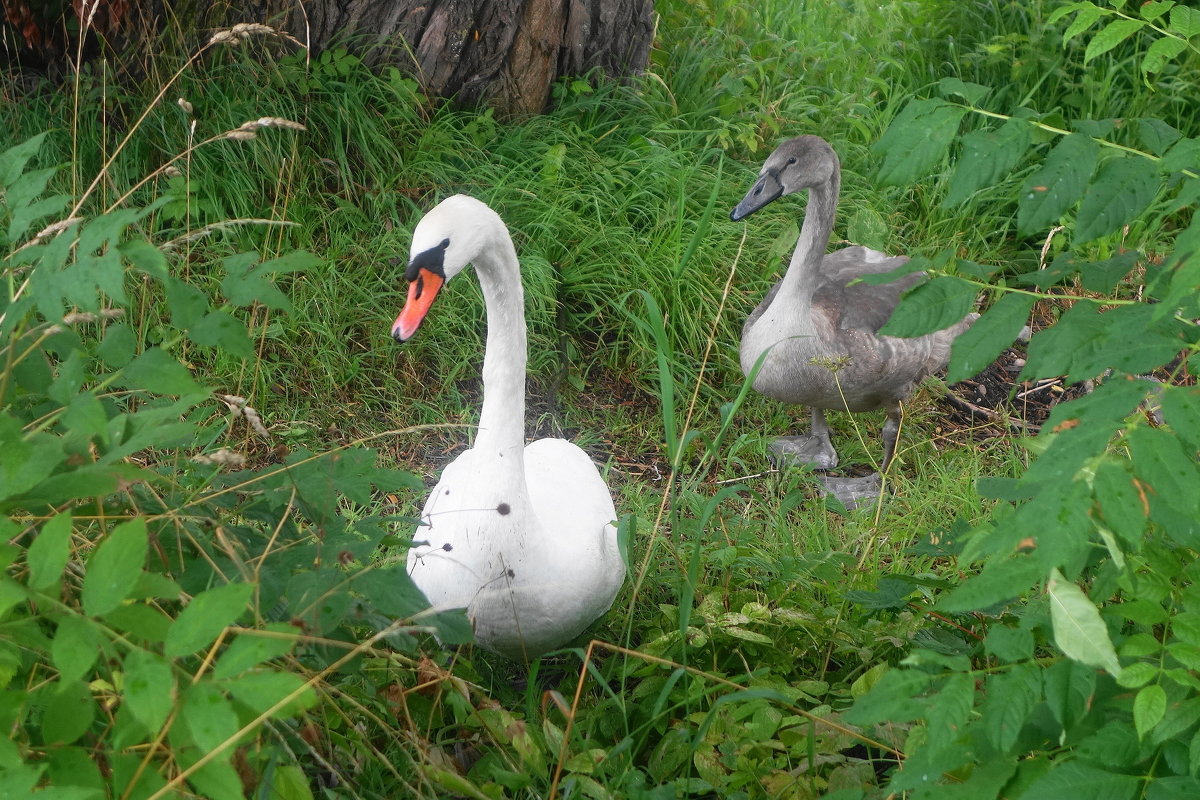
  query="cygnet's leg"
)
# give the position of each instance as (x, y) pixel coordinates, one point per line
(891, 430)
(812, 448)
(855, 492)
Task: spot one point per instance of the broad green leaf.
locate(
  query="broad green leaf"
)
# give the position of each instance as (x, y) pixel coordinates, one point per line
(1137, 674)
(1009, 644)
(1153, 9)
(1079, 781)
(1181, 410)
(113, 568)
(1122, 190)
(75, 647)
(1052, 190)
(118, 346)
(1161, 52)
(1103, 276)
(149, 688)
(1167, 470)
(1184, 154)
(1087, 15)
(48, 553)
(1115, 745)
(1178, 718)
(895, 697)
(14, 159)
(209, 717)
(261, 689)
(1156, 135)
(987, 158)
(1185, 21)
(25, 463)
(209, 613)
(1148, 708)
(145, 257)
(973, 93)
(999, 581)
(220, 329)
(931, 306)
(1009, 700)
(1070, 689)
(1110, 36)
(186, 303)
(1078, 629)
(246, 283)
(69, 712)
(143, 623)
(950, 709)
(250, 649)
(1123, 504)
(916, 141)
(158, 371)
(978, 346)
(289, 782)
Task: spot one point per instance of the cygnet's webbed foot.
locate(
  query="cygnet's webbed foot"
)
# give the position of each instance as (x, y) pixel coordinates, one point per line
(808, 448)
(853, 492)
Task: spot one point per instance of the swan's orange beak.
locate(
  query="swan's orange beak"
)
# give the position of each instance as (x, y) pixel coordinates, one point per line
(421, 292)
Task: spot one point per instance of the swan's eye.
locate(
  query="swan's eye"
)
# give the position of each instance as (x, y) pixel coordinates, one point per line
(791, 160)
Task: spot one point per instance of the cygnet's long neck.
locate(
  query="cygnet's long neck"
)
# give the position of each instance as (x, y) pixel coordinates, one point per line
(804, 271)
(502, 420)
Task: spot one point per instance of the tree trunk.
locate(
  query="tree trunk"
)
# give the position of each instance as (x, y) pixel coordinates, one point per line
(503, 53)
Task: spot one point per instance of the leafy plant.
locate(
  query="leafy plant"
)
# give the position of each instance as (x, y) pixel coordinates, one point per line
(1078, 595)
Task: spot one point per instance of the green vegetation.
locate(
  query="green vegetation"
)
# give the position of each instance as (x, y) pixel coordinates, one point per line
(211, 450)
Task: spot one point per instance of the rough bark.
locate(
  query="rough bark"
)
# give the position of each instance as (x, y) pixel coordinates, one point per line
(503, 53)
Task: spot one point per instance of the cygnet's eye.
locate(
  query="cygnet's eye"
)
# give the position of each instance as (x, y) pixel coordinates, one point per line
(792, 160)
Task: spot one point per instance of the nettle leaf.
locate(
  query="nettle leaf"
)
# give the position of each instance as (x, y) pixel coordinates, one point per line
(1184, 154)
(259, 690)
(987, 158)
(145, 257)
(931, 306)
(220, 329)
(209, 613)
(1122, 502)
(149, 688)
(1185, 21)
(1166, 469)
(977, 346)
(1078, 629)
(69, 712)
(1080, 781)
(1181, 410)
(48, 553)
(916, 141)
(1009, 700)
(1103, 276)
(1052, 190)
(1009, 644)
(999, 581)
(1085, 16)
(1087, 342)
(24, 463)
(896, 697)
(1148, 708)
(118, 346)
(1153, 9)
(114, 566)
(250, 649)
(1157, 135)
(1122, 190)
(971, 92)
(1160, 52)
(75, 647)
(1070, 689)
(209, 718)
(186, 303)
(158, 371)
(1110, 36)
(246, 283)
(14, 159)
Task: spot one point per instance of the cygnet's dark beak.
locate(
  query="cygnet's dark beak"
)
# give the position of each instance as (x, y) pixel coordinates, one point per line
(767, 188)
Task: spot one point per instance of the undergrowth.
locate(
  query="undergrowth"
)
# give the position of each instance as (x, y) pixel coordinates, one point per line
(208, 440)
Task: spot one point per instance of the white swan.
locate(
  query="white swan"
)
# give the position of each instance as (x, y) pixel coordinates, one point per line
(820, 336)
(522, 537)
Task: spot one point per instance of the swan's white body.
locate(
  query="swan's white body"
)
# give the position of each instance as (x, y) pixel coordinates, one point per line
(522, 537)
(818, 337)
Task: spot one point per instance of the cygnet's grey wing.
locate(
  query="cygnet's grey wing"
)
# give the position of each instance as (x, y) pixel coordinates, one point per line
(863, 306)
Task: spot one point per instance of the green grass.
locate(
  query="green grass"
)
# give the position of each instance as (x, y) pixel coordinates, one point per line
(619, 188)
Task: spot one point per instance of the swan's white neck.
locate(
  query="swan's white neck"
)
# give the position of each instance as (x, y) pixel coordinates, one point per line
(502, 420)
(804, 271)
